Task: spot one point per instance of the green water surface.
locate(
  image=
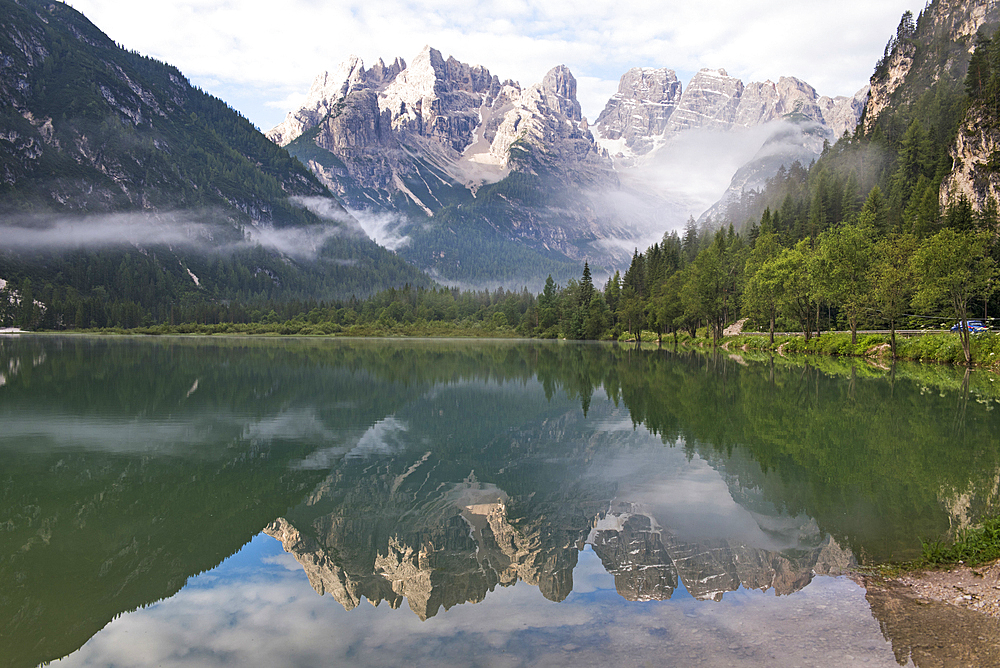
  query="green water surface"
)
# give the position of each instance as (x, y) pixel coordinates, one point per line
(431, 477)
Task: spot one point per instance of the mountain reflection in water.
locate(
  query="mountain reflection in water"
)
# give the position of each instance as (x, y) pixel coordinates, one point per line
(439, 472)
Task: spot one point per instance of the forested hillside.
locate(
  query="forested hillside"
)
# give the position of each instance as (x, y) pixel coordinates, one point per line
(867, 235)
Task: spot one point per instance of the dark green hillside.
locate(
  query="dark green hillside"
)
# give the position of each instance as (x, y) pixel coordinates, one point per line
(479, 240)
(89, 129)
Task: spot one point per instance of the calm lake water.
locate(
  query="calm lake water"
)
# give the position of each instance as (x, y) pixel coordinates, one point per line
(262, 502)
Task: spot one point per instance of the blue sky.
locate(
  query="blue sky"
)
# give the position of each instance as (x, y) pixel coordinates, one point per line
(261, 57)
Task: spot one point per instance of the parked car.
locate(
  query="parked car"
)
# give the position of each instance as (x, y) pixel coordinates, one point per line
(975, 326)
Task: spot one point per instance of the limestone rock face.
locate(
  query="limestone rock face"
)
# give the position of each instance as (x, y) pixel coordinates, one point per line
(649, 107)
(558, 87)
(768, 101)
(710, 101)
(639, 111)
(940, 48)
(841, 113)
(328, 90)
(546, 119)
(419, 138)
(436, 98)
(974, 174)
(383, 124)
(898, 67)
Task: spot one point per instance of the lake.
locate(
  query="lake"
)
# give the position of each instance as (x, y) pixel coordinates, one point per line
(302, 502)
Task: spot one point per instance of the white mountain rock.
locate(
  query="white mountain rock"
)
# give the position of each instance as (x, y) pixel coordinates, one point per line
(650, 108)
(710, 101)
(841, 114)
(427, 135)
(639, 111)
(457, 117)
(328, 89)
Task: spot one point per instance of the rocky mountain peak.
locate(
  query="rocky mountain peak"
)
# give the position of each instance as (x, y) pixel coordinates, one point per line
(710, 101)
(650, 107)
(559, 89)
(381, 73)
(640, 109)
(439, 98)
(328, 90)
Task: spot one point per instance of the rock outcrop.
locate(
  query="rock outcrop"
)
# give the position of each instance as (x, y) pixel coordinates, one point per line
(639, 111)
(328, 90)
(881, 89)
(649, 108)
(459, 118)
(935, 47)
(974, 175)
(426, 137)
(710, 101)
(841, 114)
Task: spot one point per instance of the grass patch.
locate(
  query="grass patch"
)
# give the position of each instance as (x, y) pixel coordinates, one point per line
(972, 546)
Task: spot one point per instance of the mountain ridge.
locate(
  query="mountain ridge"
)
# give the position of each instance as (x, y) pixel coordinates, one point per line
(424, 139)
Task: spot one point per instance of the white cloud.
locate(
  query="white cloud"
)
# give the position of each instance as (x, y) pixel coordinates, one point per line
(293, 100)
(270, 616)
(231, 47)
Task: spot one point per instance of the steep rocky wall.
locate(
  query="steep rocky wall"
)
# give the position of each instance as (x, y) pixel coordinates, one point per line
(975, 173)
(938, 50)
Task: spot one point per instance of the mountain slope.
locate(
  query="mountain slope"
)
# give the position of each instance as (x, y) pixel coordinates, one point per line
(491, 182)
(476, 170)
(89, 129)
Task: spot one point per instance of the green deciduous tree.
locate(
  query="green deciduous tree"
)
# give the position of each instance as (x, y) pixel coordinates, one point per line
(763, 288)
(951, 268)
(793, 269)
(846, 254)
(892, 278)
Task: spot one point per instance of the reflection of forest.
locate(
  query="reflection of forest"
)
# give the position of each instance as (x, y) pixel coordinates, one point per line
(435, 471)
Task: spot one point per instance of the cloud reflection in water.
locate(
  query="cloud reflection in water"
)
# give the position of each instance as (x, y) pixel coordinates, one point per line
(257, 609)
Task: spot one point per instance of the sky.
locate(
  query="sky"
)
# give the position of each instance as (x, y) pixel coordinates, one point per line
(261, 56)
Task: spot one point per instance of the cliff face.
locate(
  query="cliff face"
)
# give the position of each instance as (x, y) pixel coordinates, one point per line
(880, 94)
(458, 118)
(932, 55)
(649, 108)
(935, 47)
(710, 101)
(639, 111)
(423, 140)
(465, 160)
(975, 173)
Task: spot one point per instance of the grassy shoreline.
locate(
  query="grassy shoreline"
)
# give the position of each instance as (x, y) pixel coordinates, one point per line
(940, 348)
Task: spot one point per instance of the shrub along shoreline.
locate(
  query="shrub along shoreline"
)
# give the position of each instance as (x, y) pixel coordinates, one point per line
(938, 348)
(941, 348)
